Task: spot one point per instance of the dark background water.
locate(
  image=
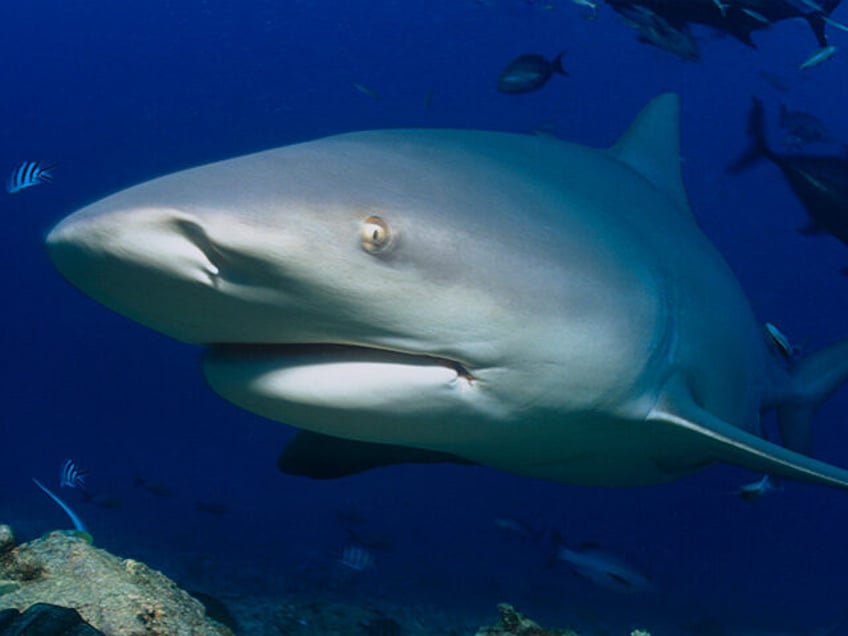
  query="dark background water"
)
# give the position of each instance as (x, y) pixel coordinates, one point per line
(118, 93)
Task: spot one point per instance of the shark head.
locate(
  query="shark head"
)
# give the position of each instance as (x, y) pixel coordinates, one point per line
(511, 300)
(375, 285)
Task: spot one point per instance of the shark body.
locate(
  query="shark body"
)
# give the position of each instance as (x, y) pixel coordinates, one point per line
(739, 18)
(520, 302)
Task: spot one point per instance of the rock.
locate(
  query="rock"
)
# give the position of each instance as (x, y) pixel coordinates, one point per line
(511, 622)
(216, 609)
(8, 586)
(7, 538)
(120, 597)
(43, 619)
(6, 617)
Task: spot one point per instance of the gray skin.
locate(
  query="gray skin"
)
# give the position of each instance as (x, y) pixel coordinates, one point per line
(520, 302)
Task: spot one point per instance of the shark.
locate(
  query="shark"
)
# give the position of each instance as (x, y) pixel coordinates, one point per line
(739, 18)
(514, 301)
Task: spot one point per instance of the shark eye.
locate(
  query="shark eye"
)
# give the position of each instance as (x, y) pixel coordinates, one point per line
(376, 235)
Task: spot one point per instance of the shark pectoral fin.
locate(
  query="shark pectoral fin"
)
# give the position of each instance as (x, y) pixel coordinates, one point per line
(727, 443)
(320, 456)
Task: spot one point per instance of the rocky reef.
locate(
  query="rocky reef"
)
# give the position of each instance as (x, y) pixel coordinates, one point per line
(511, 622)
(62, 579)
(119, 597)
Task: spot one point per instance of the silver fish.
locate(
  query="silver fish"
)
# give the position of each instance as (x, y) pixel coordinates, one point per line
(604, 568)
(778, 341)
(817, 57)
(756, 489)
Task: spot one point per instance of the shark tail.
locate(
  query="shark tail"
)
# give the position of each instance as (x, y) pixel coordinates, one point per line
(814, 378)
(759, 148)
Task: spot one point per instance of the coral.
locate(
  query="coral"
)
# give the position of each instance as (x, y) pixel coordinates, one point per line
(7, 538)
(511, 622)
(117, 596)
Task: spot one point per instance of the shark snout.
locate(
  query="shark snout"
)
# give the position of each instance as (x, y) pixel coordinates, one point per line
(154, 242)
(157, 266)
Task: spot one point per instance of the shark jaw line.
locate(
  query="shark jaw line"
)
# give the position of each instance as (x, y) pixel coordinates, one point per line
(332, 353)
(302, 383)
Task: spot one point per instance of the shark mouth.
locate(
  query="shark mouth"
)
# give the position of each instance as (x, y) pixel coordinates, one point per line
(292, 382)
(223, 353)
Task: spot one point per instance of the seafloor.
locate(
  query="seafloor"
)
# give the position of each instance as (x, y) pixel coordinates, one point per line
(124, 597)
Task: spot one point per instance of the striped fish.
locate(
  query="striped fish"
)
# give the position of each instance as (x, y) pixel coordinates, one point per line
(27, 175)
(78, 524)
(356, 558)
(71, 476)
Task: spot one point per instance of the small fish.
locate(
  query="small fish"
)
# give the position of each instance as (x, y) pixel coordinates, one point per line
(603, 568)
(27, 175)
(357, 558)
(802, 128)
(71, 476)
(817, 57)
(738, 18)
(778, 341)
(657, 31)
(756, 15)
(590, 8)
(366, 90)
(751, 493)
(815, 7)
(528, 73)
(722, 8)
(154, 487)
(834, 23)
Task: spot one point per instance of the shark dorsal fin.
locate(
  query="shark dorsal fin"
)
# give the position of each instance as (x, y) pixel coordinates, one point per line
(651, 146)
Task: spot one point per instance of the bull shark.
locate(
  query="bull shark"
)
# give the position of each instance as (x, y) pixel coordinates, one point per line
(515, 301)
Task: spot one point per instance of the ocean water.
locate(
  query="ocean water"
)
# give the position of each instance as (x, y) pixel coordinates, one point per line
(118, 93)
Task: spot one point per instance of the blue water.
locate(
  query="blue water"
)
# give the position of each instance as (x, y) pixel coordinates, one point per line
(118, 93)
